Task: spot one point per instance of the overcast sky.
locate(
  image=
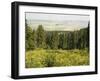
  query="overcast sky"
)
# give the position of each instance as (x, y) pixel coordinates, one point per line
(50, 21)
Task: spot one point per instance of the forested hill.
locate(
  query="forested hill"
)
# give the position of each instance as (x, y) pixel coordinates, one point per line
(40, 38)
(62, 32)
(70, 39)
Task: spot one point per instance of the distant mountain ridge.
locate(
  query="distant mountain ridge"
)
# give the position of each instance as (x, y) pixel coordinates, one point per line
(68, 25)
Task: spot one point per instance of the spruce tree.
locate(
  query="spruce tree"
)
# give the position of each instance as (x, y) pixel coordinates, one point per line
(54, 40)
(28, 38)
(40, 37)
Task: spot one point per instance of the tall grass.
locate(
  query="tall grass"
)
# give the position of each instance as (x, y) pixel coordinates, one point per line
(56, 58)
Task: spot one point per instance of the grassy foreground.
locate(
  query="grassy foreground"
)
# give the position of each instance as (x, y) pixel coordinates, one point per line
(55, 58)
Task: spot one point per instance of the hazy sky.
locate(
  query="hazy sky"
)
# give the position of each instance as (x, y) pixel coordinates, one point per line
(57, 21)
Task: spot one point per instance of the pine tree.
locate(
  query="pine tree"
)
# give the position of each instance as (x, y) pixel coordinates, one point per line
(70, 40)
(54, 40)
(28, 38)
(34, 39)
(48, 40)
(76, 36)
(60, 40)
(40, 37)
(64, 44)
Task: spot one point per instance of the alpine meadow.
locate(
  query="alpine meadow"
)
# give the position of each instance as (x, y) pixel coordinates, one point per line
(56, 40)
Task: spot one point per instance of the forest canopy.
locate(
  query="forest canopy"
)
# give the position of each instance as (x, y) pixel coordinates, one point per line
(66, 40)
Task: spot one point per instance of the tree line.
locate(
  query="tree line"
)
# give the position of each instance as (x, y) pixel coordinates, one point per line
(56, 39)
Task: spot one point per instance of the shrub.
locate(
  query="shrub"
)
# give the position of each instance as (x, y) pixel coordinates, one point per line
(54, 58)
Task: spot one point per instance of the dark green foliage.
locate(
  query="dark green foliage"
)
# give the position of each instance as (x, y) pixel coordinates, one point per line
(83, 39)
(64, 41)
(54, 40)
(61, 39)
(40, 37)
(50, 60)
(70, 40)
(76, 37)
(34, 39)
(48, 40)
(28, 36)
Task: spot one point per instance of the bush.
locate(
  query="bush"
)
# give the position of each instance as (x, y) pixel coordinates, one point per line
(54, 58)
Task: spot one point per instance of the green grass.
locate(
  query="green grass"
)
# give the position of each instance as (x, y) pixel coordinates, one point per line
(56, 58)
